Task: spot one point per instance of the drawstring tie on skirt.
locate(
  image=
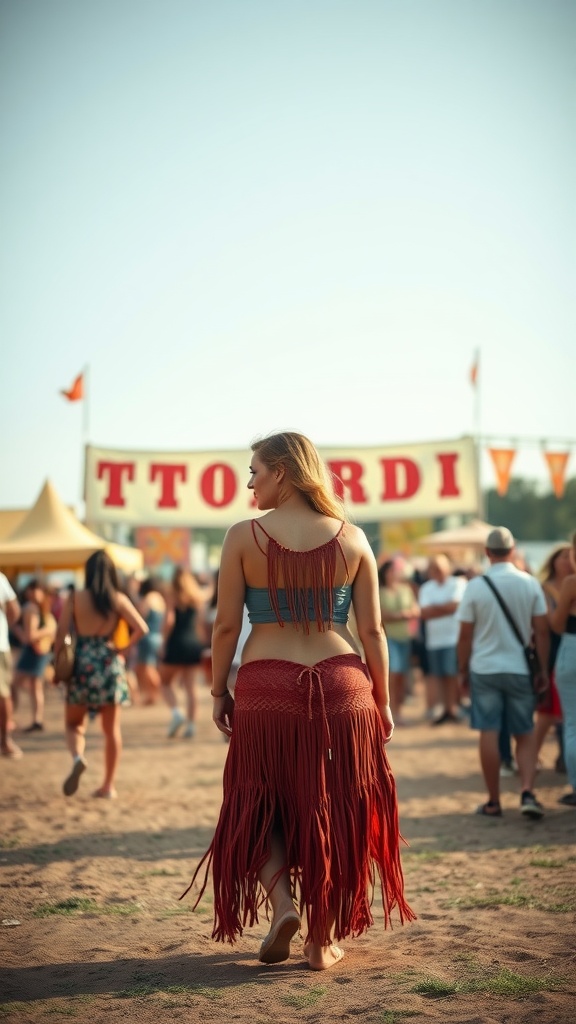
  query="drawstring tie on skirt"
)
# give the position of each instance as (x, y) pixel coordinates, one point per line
(311, 675)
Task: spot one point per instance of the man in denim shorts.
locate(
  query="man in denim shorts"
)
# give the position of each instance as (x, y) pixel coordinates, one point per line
(493, 666)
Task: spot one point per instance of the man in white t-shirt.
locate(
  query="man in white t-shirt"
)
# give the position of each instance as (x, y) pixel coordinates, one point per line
(493, 666)
(439, 599)
(9, 614)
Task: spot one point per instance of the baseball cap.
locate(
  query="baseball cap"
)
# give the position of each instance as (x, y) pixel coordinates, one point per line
(500, 539)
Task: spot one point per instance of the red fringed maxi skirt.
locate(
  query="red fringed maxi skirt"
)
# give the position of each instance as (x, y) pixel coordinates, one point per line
(307, 757)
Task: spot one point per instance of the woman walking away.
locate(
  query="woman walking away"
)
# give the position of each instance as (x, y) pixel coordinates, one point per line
(563, 620)
(309, 811)
(38, 630)
(152, 608)
(99, 682)
(556, 568)
(184, 646)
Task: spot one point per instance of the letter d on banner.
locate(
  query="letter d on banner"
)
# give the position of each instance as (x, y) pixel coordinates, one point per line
(557, 462)
(502, 459)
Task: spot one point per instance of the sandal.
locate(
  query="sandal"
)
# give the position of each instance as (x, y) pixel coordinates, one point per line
(491, 809)
(276, 945)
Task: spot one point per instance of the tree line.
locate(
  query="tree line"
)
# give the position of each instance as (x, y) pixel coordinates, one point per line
(531, 515)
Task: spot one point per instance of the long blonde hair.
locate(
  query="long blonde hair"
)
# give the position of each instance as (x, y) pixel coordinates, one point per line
(304, 469)
(548, 569)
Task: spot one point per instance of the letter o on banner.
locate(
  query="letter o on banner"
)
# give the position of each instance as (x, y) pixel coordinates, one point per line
(218, 485)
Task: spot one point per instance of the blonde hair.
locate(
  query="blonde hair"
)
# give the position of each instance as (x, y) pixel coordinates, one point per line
(548, 570)
(304, 469)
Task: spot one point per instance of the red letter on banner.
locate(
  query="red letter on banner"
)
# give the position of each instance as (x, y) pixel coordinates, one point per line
(449, 488)
(391, 489)
(168, 473)
(218, 477)
(115, 471)
(348, 473)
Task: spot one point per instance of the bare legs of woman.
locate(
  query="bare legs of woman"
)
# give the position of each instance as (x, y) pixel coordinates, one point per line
(168, 674)
(320, 951)
(397, 695)
(76, 739)
(35, 686)
(148, 678)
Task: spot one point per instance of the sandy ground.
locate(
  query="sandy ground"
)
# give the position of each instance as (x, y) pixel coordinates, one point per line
(91, 927)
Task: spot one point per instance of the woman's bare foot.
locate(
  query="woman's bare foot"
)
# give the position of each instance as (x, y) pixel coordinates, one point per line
(105, 794)
(321, 958)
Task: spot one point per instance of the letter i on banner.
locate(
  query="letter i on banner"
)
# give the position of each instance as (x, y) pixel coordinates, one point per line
(557, 463)
(502, 459)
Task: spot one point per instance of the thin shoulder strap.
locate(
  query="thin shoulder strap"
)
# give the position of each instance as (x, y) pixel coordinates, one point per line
(73, 627)
(505, 609)
(339, 543)
(255, 523)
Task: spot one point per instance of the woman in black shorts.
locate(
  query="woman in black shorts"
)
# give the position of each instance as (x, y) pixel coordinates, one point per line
(184, 643)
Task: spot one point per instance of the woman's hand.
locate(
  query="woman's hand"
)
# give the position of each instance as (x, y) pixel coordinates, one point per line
(223, 712)
(387, 721)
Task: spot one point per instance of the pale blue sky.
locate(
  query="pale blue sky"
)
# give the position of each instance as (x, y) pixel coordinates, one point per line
(250, 215)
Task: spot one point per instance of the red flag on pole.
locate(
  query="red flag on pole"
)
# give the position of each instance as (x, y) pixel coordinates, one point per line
(76, 392)
(474, 371)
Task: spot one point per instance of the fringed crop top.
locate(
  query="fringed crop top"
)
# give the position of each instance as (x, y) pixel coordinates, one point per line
(308, 594)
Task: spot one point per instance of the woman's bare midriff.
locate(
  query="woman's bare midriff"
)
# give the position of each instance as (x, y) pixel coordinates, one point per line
(268, 641)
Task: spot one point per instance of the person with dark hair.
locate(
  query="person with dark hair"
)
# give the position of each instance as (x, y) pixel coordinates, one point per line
(99, 682)
(9, 615)
(563, 621)
(152, 608)
(184, 646)
(309, 809)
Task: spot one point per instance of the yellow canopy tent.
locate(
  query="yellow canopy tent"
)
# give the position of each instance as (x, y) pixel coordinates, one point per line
(50, 537)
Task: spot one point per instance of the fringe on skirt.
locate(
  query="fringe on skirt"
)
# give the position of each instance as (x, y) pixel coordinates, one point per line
(306, 756)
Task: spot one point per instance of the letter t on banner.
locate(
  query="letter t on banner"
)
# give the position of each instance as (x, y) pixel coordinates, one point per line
(557, 462)
(502, 459)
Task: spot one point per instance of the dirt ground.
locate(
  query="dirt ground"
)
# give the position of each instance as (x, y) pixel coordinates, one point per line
(91, 927)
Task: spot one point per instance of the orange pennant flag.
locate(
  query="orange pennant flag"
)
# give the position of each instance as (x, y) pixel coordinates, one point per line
(502, 459)
(474, 372)
(76, 392)
(557, 462)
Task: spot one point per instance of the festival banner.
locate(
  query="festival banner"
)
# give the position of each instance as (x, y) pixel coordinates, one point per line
(557, 463)
(502, 459)
(145, 488)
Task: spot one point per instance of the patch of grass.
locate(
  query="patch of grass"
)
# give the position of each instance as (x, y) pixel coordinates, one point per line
(503, 983)
(136, 992)
(564, 904)
(201, 990)
(546, 862)
(62, 1010)
(8, 843)
(435, 988)
(11, 1010)
(72, 905)
(83, 905)
(300, 1001)
(422, 855)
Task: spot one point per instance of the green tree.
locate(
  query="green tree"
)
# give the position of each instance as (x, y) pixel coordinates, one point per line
(532, 515)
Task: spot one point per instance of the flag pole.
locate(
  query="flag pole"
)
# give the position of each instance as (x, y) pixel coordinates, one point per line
(477, 428)
(86, 406)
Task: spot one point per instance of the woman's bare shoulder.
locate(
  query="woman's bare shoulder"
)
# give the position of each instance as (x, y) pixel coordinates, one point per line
(355, 536)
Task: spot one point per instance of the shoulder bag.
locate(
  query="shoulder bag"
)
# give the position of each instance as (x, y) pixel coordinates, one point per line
(532, 660)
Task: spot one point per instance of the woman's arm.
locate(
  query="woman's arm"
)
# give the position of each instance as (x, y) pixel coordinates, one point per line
(227, 625)
(559, 616)
(64, 624)
(136, 624)
(365, 598)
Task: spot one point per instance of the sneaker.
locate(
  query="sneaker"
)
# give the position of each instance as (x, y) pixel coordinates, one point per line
(507, 769)
(569, 799)
(35, 727)
(71, 783)
(189, 731)
(176, 723)
(530, 806)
